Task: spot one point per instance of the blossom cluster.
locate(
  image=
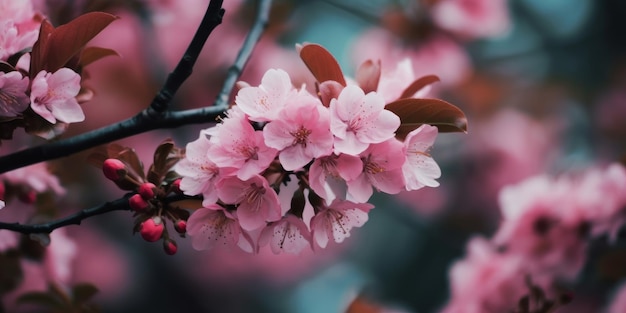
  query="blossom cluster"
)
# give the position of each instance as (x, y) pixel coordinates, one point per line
(292, 170)
(50, 95)
(546, 227)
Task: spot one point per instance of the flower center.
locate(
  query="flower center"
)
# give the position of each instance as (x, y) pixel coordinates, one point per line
(300, 136)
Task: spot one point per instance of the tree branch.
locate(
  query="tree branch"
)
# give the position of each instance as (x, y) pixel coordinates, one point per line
(147, 120)
(76, 218)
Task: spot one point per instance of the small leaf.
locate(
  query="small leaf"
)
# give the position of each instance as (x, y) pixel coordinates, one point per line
(368, 75)
(415, 112)
(83, 292)
(92, 54)
(321, 63)
(38, 55)
(418, 84)
(67, 40)
(44, 299)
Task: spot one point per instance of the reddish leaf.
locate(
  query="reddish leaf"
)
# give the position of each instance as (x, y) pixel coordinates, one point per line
(321, 63)
(418, 84)
(37, 56)
(368, 75)
(415, 112)
(67, 40)
(92, 54)
(328, 90)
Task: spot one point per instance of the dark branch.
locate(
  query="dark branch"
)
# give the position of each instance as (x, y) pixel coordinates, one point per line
(212, 18)
(146, 121)
(76, 218)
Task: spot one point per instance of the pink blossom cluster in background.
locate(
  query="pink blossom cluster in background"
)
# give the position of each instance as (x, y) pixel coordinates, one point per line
(286, 169)
(546, 228)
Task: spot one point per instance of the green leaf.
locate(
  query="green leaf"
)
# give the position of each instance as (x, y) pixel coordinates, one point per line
(415, 112)
(68, 40)
(321, 63)
(83, 292)
(418, 84)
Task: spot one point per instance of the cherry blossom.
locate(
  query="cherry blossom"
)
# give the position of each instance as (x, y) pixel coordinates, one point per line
(236, 144)
(289, 235)
(357, 120)
(420, 169)
(336, 220)
(14, 39)
(257, 202)
(382, 169)
(264, 103)
(328, 175)
(301, 132)
(53, 96)
(393, 83)
(200, 173)
(473, 18)
(212, 227)
(37, 177)
(13, 98)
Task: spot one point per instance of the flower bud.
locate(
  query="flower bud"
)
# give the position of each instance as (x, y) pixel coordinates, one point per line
(151, 229)
(170, 247)
(137, 203)
(28, 197)
(114, 169)
(146, 190)
(175, 187)
(180, 226)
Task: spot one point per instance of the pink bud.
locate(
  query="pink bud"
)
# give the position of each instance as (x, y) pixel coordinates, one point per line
(151, 230)
(176, 186)
(114, 169)
(28, 197)
(180, 226)
(137, 203)
(170, 247)
(146, 190)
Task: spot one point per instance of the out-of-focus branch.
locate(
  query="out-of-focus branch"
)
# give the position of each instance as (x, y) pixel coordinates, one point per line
(76, 218)
(156, 116)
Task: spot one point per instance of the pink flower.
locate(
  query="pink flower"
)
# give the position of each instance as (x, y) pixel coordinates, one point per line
(358, 120)
(212, 227)
(420, 169)
(13, 98)
(35, 176)
(472, 18)
(60, 256)
(301, 132)
(53, 96)
(264, 103)
(289, 235)
(16, 10)
(335, 221)
(328, 175)
(257, 202)
(199, 173)
(382, 169)
(393, 83)
(500, 276)
(236, 144)
(14, 39)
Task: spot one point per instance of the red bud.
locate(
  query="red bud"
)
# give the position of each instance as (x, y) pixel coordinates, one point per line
(151, 230)
(170, 247)
(137, 203)
(146, 190)
(114, 169)
(180, 226)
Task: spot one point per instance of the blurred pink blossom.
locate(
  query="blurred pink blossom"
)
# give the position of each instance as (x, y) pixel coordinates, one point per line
(472, 18)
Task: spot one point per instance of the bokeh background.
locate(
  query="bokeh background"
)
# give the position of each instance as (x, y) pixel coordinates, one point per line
(543, 85)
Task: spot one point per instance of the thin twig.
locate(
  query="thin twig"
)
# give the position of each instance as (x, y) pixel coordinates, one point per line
(146, 121)
(76, 218)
